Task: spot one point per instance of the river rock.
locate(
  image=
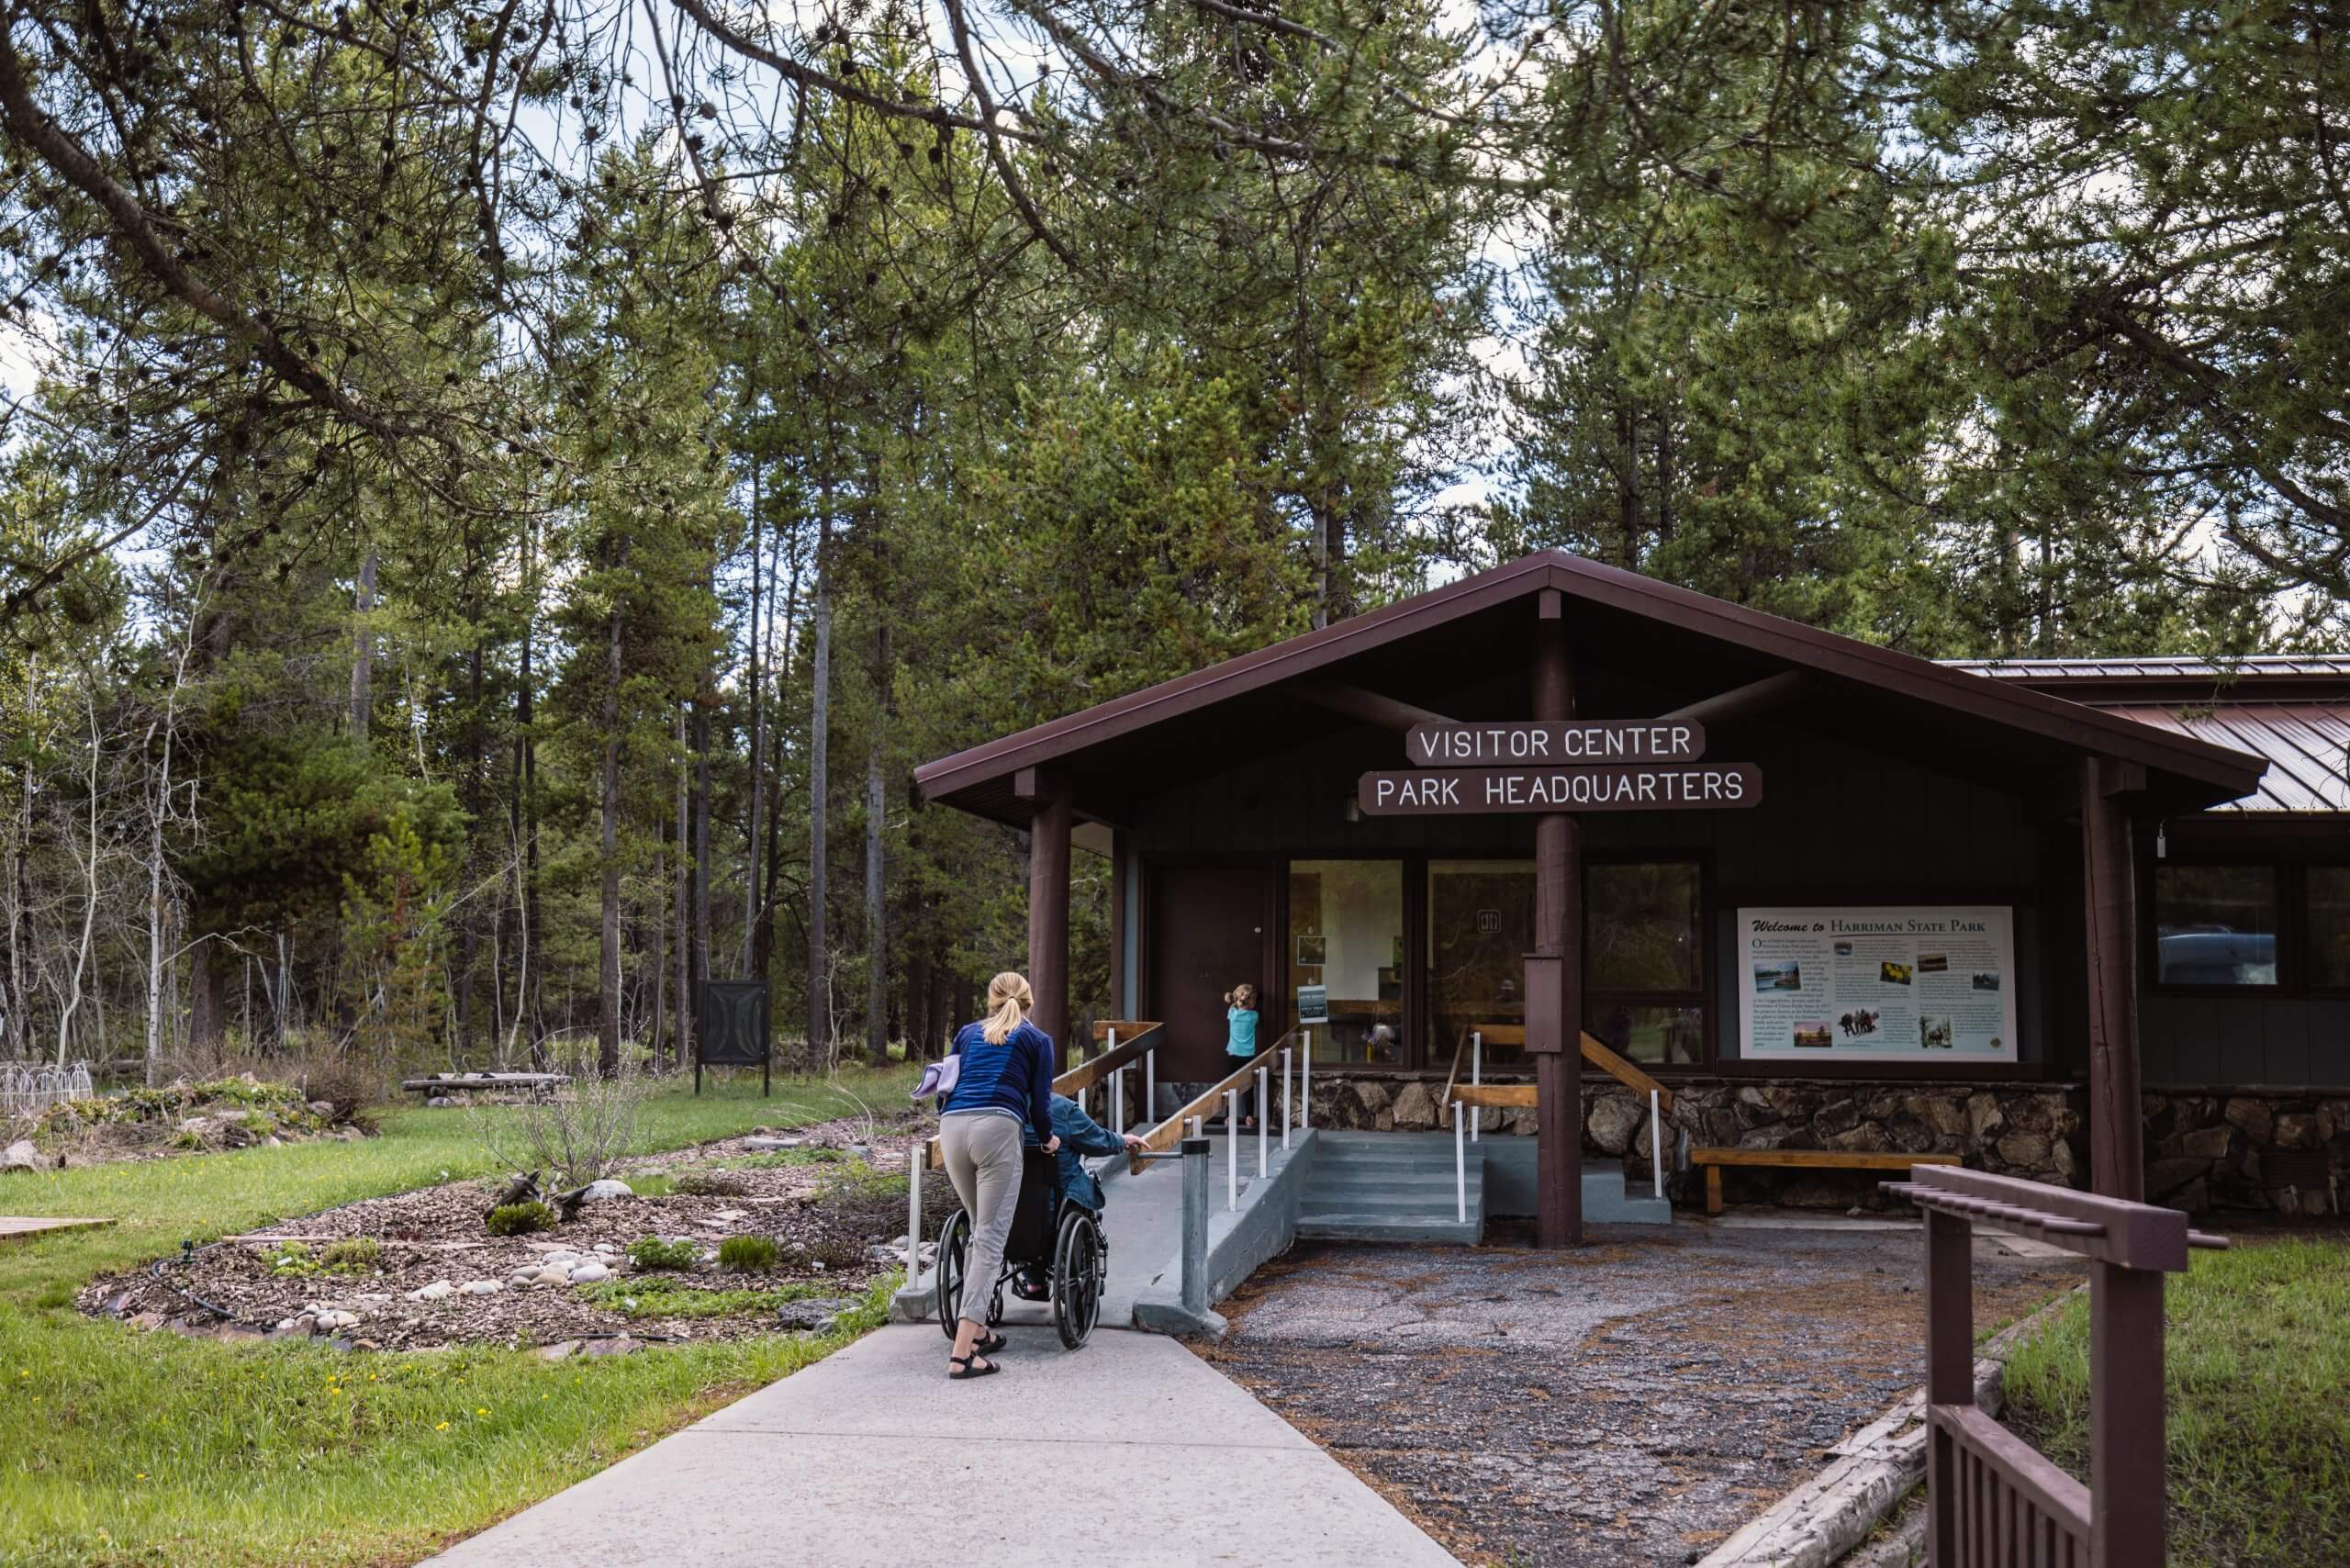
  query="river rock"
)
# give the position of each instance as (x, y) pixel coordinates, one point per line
(590, 1273)
(1613, 1118)
(482, 1287)
(439, 1290)
(818, 1316)
(554, 1274)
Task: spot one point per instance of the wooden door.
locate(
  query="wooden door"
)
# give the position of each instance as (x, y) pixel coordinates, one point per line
(1207, 926)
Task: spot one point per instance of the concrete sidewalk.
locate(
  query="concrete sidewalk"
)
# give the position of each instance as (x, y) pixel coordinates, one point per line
(1131, 1448)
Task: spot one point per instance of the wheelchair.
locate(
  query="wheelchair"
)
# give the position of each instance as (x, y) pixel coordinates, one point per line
(1049, 1231)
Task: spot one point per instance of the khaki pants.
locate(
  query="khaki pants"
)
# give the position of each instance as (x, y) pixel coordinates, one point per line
(982, 1153)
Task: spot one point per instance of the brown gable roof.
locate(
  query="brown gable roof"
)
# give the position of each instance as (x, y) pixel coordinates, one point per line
(1623, 613)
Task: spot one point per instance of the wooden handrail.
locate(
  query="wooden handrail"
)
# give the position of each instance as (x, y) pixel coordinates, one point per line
(1167, 1134)
(1131, 1048)
(1594, 1051)
(1624, 1072)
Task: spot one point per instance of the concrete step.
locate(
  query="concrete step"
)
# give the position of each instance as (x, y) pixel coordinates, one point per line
(1345, 1225)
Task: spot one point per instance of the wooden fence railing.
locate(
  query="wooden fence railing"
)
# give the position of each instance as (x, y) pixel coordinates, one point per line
(1993, 1501)
(1596, 1052)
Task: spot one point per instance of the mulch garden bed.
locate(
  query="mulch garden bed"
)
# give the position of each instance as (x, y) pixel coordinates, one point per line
(832, 1206)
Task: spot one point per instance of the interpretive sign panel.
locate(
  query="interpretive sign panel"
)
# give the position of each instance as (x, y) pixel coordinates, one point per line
(733, 1029)
(1564, 744)
(1641, 787)
(1878, 983)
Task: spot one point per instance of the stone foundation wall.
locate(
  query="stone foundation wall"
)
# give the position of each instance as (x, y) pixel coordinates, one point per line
(2213, 1151)
(2039, 1133)
(2203, 1151)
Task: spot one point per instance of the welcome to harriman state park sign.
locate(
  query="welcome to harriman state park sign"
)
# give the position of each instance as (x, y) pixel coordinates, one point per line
(1642, 766)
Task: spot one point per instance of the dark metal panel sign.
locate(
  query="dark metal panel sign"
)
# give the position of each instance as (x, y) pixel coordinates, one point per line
(734, 1023)
(1563, 743)
(1696, 786)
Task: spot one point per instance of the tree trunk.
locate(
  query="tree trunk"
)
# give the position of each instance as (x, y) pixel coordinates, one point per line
(607, 1046)
(877, 945)
(757, 751)
(916, 1005)
(820, 713)
(207, 1014)
(704, 699)
(362, 660)
(682, 910)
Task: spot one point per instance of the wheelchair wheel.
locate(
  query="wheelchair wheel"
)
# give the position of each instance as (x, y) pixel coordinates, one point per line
(954, 1250)
(1080, 1267)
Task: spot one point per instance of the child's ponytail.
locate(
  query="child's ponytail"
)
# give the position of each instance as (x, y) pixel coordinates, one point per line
(1243, 996)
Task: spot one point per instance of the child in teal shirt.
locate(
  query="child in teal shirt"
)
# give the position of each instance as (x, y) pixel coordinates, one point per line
(1240, 1040)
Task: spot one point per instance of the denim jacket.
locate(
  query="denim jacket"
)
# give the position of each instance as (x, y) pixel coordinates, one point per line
(1080, 1134)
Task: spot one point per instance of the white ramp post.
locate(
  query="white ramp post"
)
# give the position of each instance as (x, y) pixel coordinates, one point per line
(1263, 1129)
(1285, 1054)
(1656, 1145)
(917, 1152)
(1305, 1082)
(1231, 1150)
(1150, 1087)
(1476, 1076)
(1117, 1116)
(1459, 1168)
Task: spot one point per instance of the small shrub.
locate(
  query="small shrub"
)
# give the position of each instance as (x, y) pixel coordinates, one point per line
(655, 1253)
(353, 1255)
(293, 1258)
(709, 1184)
(747, 1254)
(520, 1219)
(576, 1133)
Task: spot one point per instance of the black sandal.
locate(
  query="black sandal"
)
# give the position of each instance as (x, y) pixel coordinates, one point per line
(991, 1345)
(983, 1368)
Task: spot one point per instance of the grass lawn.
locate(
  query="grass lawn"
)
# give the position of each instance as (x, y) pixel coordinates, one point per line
(2258, 1355)
(117, 1447)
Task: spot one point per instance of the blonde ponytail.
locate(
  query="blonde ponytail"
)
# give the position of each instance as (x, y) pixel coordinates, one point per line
(1009, 1000)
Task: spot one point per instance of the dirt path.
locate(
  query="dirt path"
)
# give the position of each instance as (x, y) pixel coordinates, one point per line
(1628, 1404)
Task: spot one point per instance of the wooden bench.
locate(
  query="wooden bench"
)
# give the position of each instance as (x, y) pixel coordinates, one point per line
(1713, 1160)
(477, 1082)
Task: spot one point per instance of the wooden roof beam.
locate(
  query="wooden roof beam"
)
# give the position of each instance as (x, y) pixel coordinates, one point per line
(1744, 701)
(1370, 707)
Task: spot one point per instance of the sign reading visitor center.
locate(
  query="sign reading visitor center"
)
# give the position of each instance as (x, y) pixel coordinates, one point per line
(1878, 983)
(1564, 744)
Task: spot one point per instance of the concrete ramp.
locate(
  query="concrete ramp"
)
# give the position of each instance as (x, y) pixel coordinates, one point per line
(1143, 1219)
(1132, 1448)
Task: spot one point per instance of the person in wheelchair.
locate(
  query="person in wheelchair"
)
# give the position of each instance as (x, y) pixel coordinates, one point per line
(1080, 1134)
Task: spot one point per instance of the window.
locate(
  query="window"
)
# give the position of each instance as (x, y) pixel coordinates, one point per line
(2330, 927)
(1644, 960)
(2215, 925)
(1345, 956)
(1481, 926)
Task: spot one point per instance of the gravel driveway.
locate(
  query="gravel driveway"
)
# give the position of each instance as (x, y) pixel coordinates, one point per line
(1630, 1403)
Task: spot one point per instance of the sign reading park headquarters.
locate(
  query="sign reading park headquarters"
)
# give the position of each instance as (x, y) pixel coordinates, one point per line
(1599, 766)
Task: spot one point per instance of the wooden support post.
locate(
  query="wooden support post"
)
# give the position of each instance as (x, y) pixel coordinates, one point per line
(2109, 869)
(1557, 932)
(2126, 1416)
(1949, 1370)
(1052, 817)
